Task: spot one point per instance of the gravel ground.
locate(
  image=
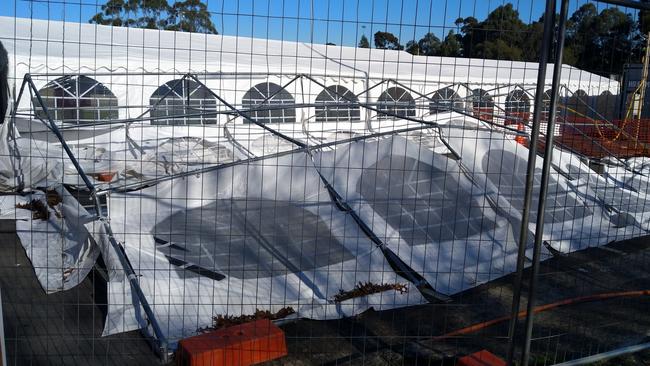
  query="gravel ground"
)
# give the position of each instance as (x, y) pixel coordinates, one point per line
(404, 336)
(65, 328)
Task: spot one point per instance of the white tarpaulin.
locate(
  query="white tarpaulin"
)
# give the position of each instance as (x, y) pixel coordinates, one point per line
(59, 246)
(425, 209)
(619, 190)
(573, 221)
(238, 239)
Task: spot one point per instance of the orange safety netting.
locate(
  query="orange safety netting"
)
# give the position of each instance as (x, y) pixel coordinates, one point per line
(599, 138)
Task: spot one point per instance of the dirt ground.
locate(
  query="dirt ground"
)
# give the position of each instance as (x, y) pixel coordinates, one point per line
(404, 336)
(65, 328)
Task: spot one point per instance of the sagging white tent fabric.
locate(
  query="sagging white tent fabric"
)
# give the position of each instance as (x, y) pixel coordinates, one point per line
(424, 208)
(617, 190)
(473, 246)
(59, 246)
(573, 219)
(238, 239)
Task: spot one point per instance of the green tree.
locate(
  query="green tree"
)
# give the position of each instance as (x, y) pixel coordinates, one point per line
(191, 16)
(451, 46)
(150, 14)
(581, 33)
(363, 42)
(468, 29)
(186, 16)
(500, 50)
(602, 42)
(532, 41)
(644, 21)
(387, 41)
(429, 45)
(501, 33)
(617, 40)
(413, 48)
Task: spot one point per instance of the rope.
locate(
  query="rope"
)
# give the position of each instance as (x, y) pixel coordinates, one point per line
(542, 308)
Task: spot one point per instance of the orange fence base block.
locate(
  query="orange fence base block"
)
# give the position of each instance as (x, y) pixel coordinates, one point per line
(240, 345)
(481, 358)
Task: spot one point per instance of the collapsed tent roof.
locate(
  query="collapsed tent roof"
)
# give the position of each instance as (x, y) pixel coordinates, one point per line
(238, 239)
(266, 232)
(273, 223)
(42, 46)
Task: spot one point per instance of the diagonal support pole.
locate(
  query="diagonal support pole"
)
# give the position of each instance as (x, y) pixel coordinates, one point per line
(248, 118)
(160, 339)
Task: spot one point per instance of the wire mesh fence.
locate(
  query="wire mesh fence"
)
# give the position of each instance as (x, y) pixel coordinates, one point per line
(473, 184)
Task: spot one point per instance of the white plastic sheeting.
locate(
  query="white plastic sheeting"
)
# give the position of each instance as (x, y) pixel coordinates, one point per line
(265, 234)
(261, 235)
(620, 190)
(425, 209)
(27, 163)
(573, 219)
(60, 248)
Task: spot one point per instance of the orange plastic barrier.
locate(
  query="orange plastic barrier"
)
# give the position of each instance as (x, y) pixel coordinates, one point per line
(481, 358)
(240, 345)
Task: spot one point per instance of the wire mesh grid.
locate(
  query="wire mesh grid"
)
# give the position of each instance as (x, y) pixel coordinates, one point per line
(387, 181)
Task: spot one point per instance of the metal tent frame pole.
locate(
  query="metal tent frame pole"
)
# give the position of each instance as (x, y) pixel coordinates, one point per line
(158, 340)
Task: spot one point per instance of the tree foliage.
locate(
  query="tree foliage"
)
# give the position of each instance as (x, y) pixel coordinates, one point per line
(429, 45)
(185, 16)
(600, 42)
(387, 41)
(451, 46)
(363, 42)
(413, 48)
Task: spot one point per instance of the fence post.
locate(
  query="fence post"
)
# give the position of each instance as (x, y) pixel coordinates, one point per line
(546, 171)
(547, 41)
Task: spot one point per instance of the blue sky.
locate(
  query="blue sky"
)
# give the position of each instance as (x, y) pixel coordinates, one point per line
(336, 21)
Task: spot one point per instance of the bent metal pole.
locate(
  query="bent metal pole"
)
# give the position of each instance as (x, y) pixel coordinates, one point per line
(547, 42)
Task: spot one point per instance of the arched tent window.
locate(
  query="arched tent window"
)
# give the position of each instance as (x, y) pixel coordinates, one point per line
(445, 100)
(331, 105)
(78, 100)
(606, 104)
(482, 104)
(577, 105)
(187, 99)
(546, 110)
(517, 107)
(546, 103)
(581, 93)
(546, 100)
(265, 95)
(396, 101)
